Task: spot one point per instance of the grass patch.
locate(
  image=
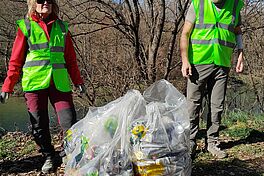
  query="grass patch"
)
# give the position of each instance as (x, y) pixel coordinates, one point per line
(238, 130)
(247, 151)
(235, 116)
(16, 145)
(6, 148)
(240, 124)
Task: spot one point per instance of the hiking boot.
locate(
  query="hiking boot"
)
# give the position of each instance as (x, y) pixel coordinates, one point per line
(216, 151)
(48, 165)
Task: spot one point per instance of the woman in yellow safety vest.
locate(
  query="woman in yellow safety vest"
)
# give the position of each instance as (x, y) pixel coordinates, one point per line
(44, 52)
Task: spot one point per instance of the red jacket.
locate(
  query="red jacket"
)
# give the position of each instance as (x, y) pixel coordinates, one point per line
(19, 52)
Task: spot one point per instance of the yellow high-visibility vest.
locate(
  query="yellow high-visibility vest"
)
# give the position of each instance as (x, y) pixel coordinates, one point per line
(213, 38)
(45, 58)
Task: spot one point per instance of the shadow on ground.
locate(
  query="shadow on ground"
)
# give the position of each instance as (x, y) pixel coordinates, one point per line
(26, 165)
(234, 167)
(254, 137)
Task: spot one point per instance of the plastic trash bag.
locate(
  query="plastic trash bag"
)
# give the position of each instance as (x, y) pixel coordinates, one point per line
(99, 143)
(163, 147)
(134, 135)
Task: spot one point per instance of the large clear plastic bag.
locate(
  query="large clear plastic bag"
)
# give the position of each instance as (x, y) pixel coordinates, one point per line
(99, 143)
(133, 135)
(163, 149)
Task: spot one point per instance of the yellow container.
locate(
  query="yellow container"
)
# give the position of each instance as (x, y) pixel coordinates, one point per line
(148, 168)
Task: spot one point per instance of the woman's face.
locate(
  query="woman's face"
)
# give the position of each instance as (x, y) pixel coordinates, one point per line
(44, 7)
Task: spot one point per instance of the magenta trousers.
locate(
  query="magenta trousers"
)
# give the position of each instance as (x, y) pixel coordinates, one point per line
(37, 104)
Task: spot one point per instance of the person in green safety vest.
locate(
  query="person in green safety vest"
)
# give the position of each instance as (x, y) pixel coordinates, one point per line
(43, 51)
(210, 34)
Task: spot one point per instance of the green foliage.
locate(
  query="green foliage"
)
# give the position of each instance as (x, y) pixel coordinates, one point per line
(240, 124)
(6, 148)
(16, 145)
(238, 132)
(259, 122)
(234, 117)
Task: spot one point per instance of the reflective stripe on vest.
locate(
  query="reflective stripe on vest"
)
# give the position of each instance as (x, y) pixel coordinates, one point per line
(213, 38)
(45, 59)
(43, 63)
(214, 41)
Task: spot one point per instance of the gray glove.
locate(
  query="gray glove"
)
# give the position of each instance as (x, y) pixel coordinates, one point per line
(82, 89)
(3, 97)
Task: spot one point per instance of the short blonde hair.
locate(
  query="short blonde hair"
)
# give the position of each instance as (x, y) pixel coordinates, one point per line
(32, 7)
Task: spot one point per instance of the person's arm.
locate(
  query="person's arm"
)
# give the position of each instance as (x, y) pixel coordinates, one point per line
(240, 60)
(184, 45)
(16, 62)
(71, 62)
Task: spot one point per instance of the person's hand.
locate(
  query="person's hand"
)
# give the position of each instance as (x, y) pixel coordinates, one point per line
(3, 97)
(240, 63)
(186, 69)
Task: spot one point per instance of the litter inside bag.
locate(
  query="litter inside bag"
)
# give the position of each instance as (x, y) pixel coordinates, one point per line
(135, 134)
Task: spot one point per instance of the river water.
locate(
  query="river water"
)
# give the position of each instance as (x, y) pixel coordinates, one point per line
(14, 115)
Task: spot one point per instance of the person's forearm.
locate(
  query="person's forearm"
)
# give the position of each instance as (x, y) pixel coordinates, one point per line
(16, 62)
(184, 45)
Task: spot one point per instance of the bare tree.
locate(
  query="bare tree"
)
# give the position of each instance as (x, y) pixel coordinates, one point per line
(9, 14)
(178, 12)
(140, 22)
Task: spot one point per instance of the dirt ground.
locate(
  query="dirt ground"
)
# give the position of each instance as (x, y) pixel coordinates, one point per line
(245, 158)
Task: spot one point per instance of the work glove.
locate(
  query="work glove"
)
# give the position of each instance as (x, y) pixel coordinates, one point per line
(3, 97)
(81, 89)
